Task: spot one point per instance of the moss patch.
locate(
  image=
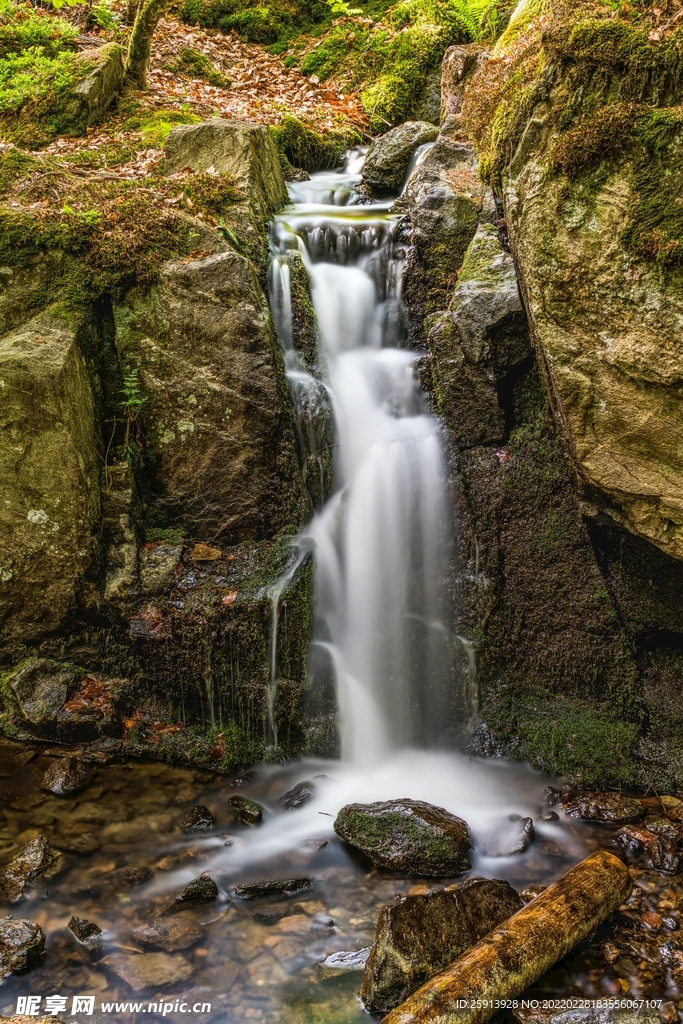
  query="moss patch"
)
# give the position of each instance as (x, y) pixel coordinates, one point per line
(306, 146)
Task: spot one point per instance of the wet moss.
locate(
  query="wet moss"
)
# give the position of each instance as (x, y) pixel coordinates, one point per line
(304, 145)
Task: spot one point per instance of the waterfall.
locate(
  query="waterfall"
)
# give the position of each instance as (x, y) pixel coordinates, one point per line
(382, 539)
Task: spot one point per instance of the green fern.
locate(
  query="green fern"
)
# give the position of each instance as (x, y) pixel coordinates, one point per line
(481, 19)
(132, 399)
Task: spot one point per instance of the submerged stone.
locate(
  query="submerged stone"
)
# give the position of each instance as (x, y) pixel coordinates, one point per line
(67, 776)
(611, 807)
(386, 164)
(248, 811)
(148, 970)
(135, 875)
(169, 933)
(34, 860)
(407, 835)
(21, 944)
(420, 935)
(248, 892)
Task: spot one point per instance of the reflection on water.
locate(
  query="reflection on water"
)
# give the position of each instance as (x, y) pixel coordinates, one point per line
(256, 959)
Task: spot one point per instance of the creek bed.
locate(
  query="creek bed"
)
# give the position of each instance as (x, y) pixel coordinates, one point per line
(258, 959)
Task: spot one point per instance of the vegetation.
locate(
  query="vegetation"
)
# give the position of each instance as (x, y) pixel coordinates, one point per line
(197, 65)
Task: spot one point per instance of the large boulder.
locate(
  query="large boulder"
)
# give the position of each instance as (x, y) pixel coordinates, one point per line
(222, 460)
(407, 835)
(33, 861)
(585, 152)
(418, 936)
(90, 99)
(21, 945)
(49, 477)
(243, 150)
(388, 159)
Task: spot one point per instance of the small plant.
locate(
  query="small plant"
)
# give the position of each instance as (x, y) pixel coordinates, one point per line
(132, 402)
(340, 9)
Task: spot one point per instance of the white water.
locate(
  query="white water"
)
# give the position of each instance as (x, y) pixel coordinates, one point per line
(406, 684)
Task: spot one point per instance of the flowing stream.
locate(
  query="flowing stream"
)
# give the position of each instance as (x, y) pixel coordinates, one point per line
(382, 537)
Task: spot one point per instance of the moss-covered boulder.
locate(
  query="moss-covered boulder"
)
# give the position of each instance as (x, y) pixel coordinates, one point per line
(407, 835)
(222, 457)
(388, 159)
(418, 936)
(49, 478)
(578, 123)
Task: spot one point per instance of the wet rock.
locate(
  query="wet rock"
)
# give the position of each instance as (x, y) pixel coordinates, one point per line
(158, 564)
(551, 796)
(148, 970)
(205, 553)
(86, 933)
(168, 933)
(514, 836)
(90, 710)
(407, 835)
(34, 860)
(134, 875)
(344, 962)
(298, 795)
(550, 816)
(68, 776)
(41, 686)
(249, 892)
(420, 935)
(244, 780)
(612, 807)
(531, 892)
(21, 945)
(199, 819)
(248, 811)
(388, 158)
(199, 890)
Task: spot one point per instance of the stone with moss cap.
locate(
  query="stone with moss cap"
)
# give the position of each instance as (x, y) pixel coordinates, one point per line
(410, 836)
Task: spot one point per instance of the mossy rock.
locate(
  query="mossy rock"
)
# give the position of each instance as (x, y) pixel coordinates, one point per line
(407, 835)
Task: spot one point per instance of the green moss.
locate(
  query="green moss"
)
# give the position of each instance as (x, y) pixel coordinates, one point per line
(169, 535)
(255, 20)
(156, 125)
(196, 64)
(306, 146)
(579, 740)
(23, 27)
(14, 165)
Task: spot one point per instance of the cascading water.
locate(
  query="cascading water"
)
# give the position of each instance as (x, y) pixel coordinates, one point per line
(382, 539)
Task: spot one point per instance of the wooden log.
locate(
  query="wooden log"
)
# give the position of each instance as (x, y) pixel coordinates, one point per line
(521, 949)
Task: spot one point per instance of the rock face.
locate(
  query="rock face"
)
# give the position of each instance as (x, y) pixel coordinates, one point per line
(49, 478)
(407, 835)
(245, 151)
(67, 776)
(479, 342)
(224, 463)
(605, 308)
(446, 201)
(21, 945)
(389, 156)
(418, 936)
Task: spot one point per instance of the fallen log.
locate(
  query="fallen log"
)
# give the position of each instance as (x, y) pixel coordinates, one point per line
(522, 948)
